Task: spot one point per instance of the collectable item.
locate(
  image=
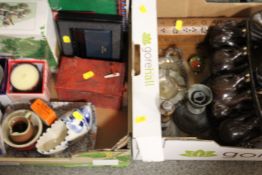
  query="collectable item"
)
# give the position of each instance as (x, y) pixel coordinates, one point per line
(90, 35)
(167, 109)
(259, 75)
(229, 60)
(255, 45)
(228, 34)
(21, 129)
(172, 87)
(172, 76)
(70, 127)
(196, 64)
(96, 81)
(256, 26)
(230, 103)
(25, 77)
(53, 140)
(229, 82)
(190, 116)
(46, 113)
(79, 121)
(27, 30)
(28, 80)
(243, 128)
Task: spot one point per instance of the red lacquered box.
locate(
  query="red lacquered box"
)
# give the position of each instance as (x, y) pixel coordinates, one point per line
(98, 89)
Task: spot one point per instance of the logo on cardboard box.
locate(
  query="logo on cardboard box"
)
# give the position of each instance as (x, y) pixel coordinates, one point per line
(147, 55)
(226, 155)
(146, 38)
(199, 153)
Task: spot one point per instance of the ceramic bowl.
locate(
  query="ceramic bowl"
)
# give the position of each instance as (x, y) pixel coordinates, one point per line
(69, 128)
(36, 122)
(54, 139)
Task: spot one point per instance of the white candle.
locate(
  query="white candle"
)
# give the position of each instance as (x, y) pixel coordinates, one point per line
(24, 77)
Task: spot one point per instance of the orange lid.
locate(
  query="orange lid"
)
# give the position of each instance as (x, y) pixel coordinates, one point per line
(47, 114)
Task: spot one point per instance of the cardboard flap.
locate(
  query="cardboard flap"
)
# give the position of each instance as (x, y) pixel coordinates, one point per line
(150, 149)
(145, 81)
(201, 8)
(207, 150)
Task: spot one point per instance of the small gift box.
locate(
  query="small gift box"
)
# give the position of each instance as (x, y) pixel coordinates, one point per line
(27, 80)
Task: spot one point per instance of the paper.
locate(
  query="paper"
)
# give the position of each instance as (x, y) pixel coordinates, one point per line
(88, 75)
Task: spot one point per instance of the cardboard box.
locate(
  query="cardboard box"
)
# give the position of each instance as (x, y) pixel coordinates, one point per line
(111, 148)
(108, 149)
(4, 99)
(97, 87)
(28, 31)
(177, 148)
(21, 97)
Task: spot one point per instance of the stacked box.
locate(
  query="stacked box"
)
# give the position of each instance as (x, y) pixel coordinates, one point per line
(97, 81)
(28, 31)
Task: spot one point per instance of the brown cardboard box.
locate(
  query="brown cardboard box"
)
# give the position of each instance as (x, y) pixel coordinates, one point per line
(111, 127)
(201, 8)
(110, 143)
(110, 148)
(200, 15)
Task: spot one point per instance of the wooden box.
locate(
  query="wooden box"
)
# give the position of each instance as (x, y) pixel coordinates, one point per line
(97, 87)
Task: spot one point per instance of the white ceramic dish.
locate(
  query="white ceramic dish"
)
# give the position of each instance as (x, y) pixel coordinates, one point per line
(70, 127)
(53, 140)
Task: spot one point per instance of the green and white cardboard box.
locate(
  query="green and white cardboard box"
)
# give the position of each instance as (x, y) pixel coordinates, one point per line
(148, 144)
(27, 30)
(34, 36)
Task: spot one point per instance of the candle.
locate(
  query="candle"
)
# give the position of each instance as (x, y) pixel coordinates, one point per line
(25, 77)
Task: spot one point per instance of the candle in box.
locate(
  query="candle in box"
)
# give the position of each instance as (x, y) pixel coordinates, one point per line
(28, 80)
(25, 77)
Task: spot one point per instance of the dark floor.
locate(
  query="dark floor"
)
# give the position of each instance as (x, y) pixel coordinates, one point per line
(139, 168)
